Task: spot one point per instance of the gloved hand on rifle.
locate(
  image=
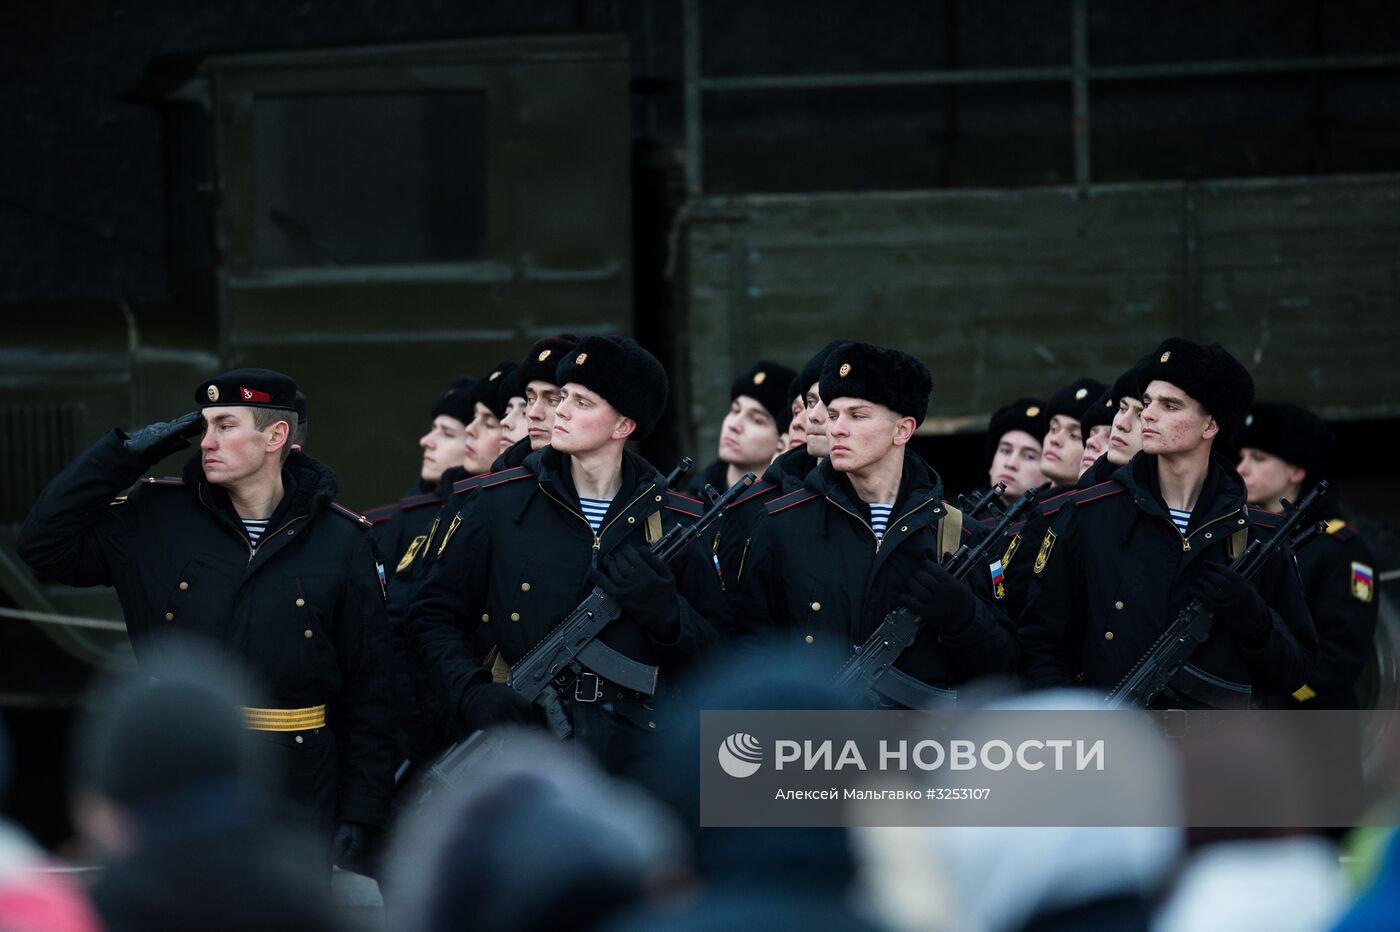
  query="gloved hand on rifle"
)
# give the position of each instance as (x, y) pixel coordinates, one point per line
(942, 602)
(487, 705)
(1235, 603)
(644, 588)
(155, 442)
(350, 848)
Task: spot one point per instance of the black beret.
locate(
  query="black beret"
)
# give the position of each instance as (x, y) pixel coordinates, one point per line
(456, 400)
(765, 382)
(623, 373)
(541, 361)
(812, 372)
(1208, 374)
(1292, 433)
(873, 373)
(1027, 414)
(252, 388)
(494, 389)
(1074, 399)
(1100, 413)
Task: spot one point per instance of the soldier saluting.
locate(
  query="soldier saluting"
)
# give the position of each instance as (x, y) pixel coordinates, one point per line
(532, 542)
(249, 550)
(1123, 557)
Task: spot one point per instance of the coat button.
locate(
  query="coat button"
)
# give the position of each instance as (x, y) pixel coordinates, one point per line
(301, 603)
(169, 616)
(809, 639)
(485, 617)
(514, 616)
(1242, 521)
(816, 606)
(306, 633)
(291, 533)
(524, 587)
(300, 739)
(631, 520)
(658, 498)
(1108, 635)
(184, 586)
(1207, 535)
(1118, 605)
(904, 527)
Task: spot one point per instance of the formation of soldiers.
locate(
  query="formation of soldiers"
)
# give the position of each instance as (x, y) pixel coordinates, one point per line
(382, 639)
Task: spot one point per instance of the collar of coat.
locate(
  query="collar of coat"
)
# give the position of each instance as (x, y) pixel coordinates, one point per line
(552, 469)
(1222, 493)
(918, 483)
(307, 485)
(790, 468)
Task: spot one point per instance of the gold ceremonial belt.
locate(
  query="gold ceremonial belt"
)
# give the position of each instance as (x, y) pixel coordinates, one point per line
(285, 719)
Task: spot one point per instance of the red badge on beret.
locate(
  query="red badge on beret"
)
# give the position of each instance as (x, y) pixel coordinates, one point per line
(252, 394)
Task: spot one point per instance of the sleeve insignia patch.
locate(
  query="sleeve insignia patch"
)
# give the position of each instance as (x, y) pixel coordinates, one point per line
(456, 520)
(1043, 557)
(1363, 582)
(410, 553)
(1010, 550)
(998, 579)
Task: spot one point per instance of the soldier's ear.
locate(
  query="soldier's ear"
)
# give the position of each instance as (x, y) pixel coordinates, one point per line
(281, 434)
(625, 428)
(903, 431)
(1212, 428)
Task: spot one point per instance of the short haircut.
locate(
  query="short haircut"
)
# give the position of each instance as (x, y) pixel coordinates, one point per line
(263, 418)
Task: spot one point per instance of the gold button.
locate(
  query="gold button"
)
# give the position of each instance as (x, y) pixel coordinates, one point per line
(485, 617)
(184, 586)
(301, 603)
(809, 639)
(306, 633)
(524, 587)
(1207, 535)
(904, 527)
(1242, 521)
(816, 606)
(1108, 635)
(631, 520)
(169, 616)
(1118, 605)
(300, 739)
(658, 498)
(514, 616)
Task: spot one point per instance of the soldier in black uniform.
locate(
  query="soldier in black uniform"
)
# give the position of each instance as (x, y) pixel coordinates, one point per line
(751, 436)
(1123, 557)
(249, 550)
(1285, 450)
(868, 532)
(1063, 445)
(399, 525)
(1014, 435)
(533, 541)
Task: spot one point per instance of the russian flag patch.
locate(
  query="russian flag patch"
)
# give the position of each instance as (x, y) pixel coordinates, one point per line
(998, 579)
(1363, 582)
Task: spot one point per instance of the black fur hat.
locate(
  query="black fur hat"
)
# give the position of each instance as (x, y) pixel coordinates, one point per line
(1126, 385)
(812, 372)
(1208, 374)
(1074, 399)
(541, 361)
(1292, 433)
(885, 376)
(1100, 413)
(1027, 414)
(626, 375)
(494, 389)
(765, 383)
(456, 400)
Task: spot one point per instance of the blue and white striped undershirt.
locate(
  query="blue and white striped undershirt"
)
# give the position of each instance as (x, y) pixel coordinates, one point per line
(1182, 519)
(880, 518)
(254, 528)
(594, 509)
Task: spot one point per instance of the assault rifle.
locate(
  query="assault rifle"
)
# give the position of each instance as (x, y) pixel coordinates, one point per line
(677, 474)
(974, 505)
(573, 646)
(871, 668)
(1155, 670)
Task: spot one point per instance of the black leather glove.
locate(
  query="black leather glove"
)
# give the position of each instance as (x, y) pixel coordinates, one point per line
(350, 846)
(944, 603)
(492, 704)
(1235, 603)
(644, 588)
(155, 442)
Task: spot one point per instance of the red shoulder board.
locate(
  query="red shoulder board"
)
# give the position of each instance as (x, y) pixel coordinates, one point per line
(686, 505)
(783, 502)
(169, 481)
(471, 482)
(353, 516)
(418, 501)
(1093, 493)
(493, 479)
(758, 490)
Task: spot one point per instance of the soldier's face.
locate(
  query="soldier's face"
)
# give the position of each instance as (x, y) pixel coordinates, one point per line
(1063, 447)
(1172, 421)
(483, 441)
(442, 447)
(541, 398)
(818, 444)
(1125, 441)
(1017, 463)
(862, 433)
(749, 436)
(513, 425)
(233, 449)
(1095, 445)
(797, 432)
(1268, 478)
(585, 422)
